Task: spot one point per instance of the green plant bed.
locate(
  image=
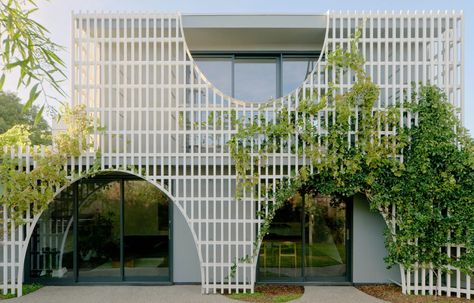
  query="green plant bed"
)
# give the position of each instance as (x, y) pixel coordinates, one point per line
(393, 293)
(27, 288)
(270, 293)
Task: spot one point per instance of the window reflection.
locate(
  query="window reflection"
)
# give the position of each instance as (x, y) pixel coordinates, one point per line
(146, 231)
(116, 239)
(218, 71)
(295, 71)
(280, 252)
(52, 241)
(306, 241)
(325, 235)
(255, 79)
(98, 235)
(258, 77)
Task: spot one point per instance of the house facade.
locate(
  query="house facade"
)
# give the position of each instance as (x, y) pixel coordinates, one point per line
(163, 207)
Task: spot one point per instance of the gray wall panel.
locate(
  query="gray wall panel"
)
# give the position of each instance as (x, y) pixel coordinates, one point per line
(185, 258)
(369, 247)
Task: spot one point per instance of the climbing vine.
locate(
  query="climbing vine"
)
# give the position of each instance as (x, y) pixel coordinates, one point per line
(27, 188)
(412, 154)
(434, 195)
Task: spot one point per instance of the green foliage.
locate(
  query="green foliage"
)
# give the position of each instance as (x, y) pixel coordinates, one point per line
(13, 114)
(18, 135)
(27, 289)
(354, 147)
(263, 297)
(434, 194)
(27, 49)
(33, 188)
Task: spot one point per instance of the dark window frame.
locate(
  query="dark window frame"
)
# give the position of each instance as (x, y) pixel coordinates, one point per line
(277, 55)
(346, 279)
(123, 279)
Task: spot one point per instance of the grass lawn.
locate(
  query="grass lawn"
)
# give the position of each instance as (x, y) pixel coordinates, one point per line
(270, 294)
(27, 288)
(317, 255)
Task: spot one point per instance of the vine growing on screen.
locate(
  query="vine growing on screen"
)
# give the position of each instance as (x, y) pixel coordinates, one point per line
(31, 188)
(426, 171)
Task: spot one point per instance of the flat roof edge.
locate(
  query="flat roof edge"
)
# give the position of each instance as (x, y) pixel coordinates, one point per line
(254, 21)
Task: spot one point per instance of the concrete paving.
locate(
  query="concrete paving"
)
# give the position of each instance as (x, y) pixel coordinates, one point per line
(120, 294)
(335, 294)
(175, 294)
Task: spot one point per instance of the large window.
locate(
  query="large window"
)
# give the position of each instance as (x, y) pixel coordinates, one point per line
(218, 70)
(103, 229)
(295, 69)
(256, 77)
(308, 240)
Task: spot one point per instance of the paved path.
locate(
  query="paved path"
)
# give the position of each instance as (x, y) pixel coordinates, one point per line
(175, 294)
(335, 294)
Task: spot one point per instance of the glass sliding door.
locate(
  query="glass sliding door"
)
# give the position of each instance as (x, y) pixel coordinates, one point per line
(307, 241)
(280, 253)
(325, 235)
(146, 232)
(98, 231)
(52, 243)
(109, 228)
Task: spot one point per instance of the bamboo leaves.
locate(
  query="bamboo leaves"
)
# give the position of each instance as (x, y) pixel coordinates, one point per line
(27, 49)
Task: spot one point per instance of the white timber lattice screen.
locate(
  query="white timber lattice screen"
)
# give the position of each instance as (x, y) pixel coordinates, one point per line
(168, 124)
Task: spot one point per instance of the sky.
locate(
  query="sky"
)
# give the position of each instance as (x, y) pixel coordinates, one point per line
(56, 16)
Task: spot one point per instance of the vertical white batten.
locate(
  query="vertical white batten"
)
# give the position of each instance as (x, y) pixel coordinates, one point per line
(157, 105)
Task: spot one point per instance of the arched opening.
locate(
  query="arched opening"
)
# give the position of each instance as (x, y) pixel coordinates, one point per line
(109, 228)
(309, 240)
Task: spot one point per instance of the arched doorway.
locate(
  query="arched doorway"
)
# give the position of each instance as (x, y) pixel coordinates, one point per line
(309, 240)
(109, 228)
